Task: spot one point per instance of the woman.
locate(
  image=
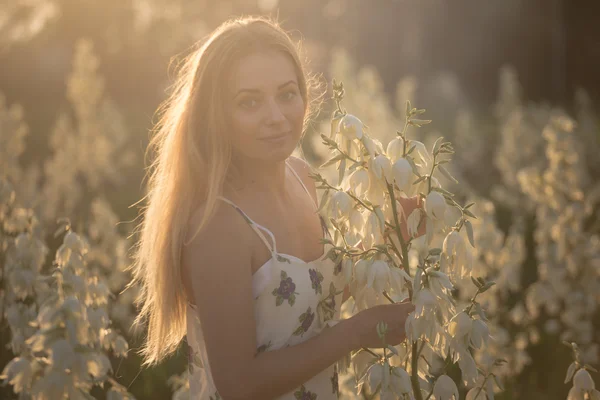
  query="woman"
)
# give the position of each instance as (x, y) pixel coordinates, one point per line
(229, 252)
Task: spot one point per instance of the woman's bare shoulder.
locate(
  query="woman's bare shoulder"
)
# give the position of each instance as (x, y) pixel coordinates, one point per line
(223, 224)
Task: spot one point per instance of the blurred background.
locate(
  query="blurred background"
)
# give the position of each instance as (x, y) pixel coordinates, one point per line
(80, 81)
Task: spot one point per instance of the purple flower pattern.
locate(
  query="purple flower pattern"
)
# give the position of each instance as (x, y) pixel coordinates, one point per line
(316, 278)
(303, 394)
(306, 320)
(285, 291)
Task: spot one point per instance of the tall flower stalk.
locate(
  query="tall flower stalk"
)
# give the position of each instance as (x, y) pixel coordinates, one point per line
(373, 240)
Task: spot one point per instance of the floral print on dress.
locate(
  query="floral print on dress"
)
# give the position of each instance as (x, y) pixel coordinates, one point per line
(303, 394)
(263, 347)
(193, 359)
(326, 307)
(306, 320)
(316, 278)
(337, 269)
(285, 291)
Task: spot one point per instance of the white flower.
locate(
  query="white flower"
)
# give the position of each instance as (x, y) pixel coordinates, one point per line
(445, 389)
(341, 205)
(359, 181)
(579, 394)
(18, 373)
(424, 302)
(379, 374)
(403, 173)
(395, 148)
(460, 325)
(400, 382)
(379, 275)
(360, 270)
(382, 168)
(457, 261)
(369, 144)
(439, 284)
(582, 380)
(373, 232)
(435, 205)
(420, 149)
(480, 333)
(351, 127)
(347, 269)
(413, 221)
(356, 221)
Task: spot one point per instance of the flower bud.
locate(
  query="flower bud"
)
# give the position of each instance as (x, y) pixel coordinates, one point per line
(435, 205)
(351, 127)
(403, 173)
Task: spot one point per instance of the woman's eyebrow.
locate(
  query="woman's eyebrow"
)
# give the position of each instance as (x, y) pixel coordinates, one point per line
(258, 90)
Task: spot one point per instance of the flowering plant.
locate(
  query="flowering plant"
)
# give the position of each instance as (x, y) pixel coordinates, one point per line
(372, 240)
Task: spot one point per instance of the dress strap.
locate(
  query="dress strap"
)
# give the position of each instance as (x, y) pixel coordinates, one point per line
(255, 226)
(303, 185)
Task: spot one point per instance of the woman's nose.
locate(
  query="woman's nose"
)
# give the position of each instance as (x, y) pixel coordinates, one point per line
(274, 112)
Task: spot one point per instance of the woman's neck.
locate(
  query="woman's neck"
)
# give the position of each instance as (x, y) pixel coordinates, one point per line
(251, 175)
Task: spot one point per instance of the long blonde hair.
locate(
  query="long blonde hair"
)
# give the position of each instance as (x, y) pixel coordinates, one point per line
(192, 158)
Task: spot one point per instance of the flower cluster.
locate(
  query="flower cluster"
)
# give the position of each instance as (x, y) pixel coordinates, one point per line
(373, 236)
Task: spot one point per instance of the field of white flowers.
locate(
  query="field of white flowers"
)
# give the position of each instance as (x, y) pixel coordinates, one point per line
(507, 289)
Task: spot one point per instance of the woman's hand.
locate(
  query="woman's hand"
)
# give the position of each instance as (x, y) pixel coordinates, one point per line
(394, 315)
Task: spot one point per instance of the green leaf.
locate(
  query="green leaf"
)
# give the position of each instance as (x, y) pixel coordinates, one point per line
(469, 205)
(332, 160)
(475, 282)
(469, 213)
(419, 122)
(443, 191)
(436, 145)
(447, 174)
(470, 233)
(408, 108)
(487, 287)
(420, 179)
(413, 165)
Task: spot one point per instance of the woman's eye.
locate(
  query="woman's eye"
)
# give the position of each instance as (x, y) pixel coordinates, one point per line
(248, 103)
(289, 95)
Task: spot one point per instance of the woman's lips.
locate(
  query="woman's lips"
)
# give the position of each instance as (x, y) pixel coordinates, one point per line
(276, 138)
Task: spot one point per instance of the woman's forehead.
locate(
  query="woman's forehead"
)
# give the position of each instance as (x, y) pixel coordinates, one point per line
(262, 71)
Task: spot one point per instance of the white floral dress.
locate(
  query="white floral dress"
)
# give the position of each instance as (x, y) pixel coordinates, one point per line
(294, 300)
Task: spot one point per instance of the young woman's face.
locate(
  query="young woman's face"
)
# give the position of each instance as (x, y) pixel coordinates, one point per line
(265, 107)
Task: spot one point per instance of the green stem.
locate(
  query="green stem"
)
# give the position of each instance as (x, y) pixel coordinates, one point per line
(398, 231)
(414, 377)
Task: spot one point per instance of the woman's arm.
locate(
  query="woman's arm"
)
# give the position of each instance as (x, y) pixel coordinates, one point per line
(221, 280)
